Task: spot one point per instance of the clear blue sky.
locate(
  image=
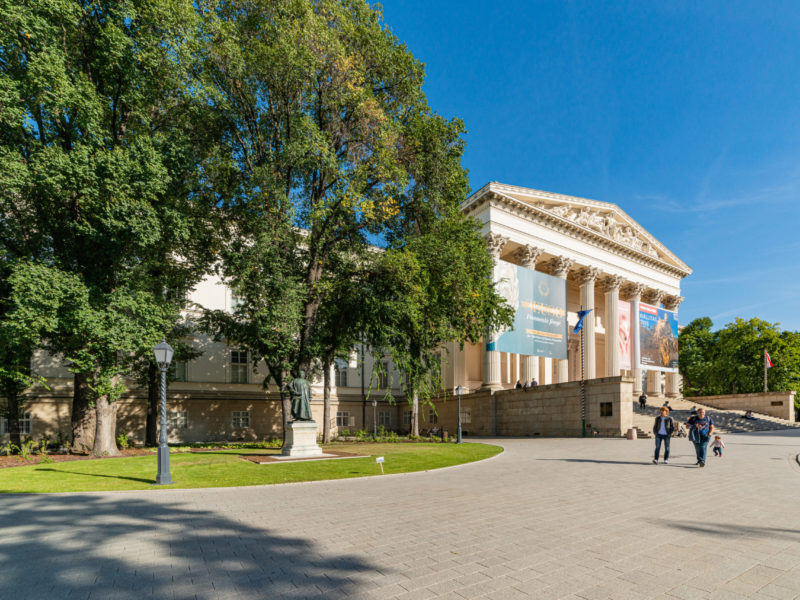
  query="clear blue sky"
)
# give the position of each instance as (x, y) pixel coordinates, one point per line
(685, 114)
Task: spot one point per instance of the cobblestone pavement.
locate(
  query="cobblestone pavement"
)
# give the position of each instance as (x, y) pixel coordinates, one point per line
(547, 519)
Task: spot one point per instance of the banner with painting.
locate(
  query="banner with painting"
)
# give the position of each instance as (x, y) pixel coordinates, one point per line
(658, 338)
(625, 337)
(540, 322)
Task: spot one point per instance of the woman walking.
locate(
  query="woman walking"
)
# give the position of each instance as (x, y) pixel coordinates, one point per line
(700, 429)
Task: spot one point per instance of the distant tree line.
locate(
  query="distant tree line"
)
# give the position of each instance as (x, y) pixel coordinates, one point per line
(277, 143)
(730, 360)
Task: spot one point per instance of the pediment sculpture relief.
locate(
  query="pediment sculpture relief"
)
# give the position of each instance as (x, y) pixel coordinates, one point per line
(605, 224)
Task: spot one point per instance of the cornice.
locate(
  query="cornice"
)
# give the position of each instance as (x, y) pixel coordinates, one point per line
(496, 195)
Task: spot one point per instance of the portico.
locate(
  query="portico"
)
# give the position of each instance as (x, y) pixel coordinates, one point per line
(606, 258)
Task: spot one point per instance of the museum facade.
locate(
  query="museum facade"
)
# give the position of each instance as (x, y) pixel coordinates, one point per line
(554, 255)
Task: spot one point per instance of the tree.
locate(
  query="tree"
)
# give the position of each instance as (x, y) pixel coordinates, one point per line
(731, 360)
(697, 354)
(435, 289)
(100, 142)
(332, 151)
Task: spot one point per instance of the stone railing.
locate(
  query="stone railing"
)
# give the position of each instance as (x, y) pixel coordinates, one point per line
(775, 404)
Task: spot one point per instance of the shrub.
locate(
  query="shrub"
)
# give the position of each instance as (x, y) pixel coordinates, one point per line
(123, 441)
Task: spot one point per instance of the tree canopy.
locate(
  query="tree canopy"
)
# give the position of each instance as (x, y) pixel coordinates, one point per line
(731, 360)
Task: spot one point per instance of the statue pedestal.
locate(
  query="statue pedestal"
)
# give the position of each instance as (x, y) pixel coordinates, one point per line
(301, 439)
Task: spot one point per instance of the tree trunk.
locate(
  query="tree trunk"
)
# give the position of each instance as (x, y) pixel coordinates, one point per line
(11, 390)
(326, 402)
(82, 434)
(105, 442)
(151, 426)
(415, 414)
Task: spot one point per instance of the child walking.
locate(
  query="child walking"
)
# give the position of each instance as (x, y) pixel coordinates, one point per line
(717, 445)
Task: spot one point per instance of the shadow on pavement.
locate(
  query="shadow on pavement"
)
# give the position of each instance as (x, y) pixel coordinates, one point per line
(730, 530)
(113, 546)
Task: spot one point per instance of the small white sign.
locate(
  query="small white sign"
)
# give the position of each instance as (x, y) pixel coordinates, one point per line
(379, 459)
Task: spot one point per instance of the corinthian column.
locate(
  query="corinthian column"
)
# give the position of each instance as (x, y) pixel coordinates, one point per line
(587, 277)
(612, 284)
(560, 267)
(634, 297)
(528, 255)
(673, 379)
(492, 377)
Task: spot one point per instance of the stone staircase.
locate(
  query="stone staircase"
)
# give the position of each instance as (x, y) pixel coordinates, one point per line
(725, 421)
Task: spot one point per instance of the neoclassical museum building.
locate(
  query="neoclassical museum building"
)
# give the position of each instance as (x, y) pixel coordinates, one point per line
(554, 255)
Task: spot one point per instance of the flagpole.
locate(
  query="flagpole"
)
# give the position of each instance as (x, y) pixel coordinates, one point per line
(765, 371)
(583, 389)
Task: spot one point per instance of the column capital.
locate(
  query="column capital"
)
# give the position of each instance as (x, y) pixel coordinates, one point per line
(588, 275)
(634, 291)
(654, 296)
(560, 266)
(528, 255)
(672, 302)
(613, 282)
(495, 243)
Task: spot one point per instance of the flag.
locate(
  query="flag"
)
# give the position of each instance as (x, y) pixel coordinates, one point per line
(766, 357)
(579, 324)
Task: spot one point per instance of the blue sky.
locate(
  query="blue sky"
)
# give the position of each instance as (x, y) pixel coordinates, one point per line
(685, 114)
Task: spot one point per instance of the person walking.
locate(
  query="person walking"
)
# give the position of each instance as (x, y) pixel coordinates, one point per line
(717, 445)
(663, 428)
(642, 401)
(700, 429)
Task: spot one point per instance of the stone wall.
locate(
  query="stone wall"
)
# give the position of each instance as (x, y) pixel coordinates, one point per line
(776, 404)
(546, 410)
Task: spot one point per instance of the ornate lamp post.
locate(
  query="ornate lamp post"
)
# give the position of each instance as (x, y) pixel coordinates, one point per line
(163, 354)
(458, 391)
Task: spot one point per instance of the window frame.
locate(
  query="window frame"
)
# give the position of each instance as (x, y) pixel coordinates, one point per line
(239, 368)
(240, 416)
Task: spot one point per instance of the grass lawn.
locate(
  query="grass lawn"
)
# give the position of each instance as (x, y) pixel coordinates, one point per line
(225, 468)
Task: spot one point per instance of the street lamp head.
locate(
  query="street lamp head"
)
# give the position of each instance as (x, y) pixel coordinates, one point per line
(163, 354)
(459, 389)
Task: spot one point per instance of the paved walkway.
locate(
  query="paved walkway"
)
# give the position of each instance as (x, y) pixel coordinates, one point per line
(547, 519)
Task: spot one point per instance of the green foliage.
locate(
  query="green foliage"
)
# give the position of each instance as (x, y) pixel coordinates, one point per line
(123, 441)
(8, 448)
(731, 360)
(102, 192)
(27, 449)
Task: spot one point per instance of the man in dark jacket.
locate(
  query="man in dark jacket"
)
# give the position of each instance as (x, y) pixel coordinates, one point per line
(663, 428)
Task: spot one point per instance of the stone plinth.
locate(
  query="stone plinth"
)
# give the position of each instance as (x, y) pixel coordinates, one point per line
(301, 439)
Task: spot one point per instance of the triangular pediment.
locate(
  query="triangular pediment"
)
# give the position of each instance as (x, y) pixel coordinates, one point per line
(603, 219)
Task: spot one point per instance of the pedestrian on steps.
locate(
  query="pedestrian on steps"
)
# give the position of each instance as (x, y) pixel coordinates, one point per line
(663, 428)
(701, 428)
(643, 401)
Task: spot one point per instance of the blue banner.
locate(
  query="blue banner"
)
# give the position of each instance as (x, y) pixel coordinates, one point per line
(540, 323)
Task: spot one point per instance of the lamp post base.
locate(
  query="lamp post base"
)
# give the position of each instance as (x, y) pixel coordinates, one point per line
(164, 477)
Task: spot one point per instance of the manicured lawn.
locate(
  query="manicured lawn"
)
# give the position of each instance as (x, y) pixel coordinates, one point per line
(225, 468)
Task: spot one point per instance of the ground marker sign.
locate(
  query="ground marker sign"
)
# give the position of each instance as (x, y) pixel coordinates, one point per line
(379, 460)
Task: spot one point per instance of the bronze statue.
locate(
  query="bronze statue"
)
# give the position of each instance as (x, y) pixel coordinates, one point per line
(300, 393)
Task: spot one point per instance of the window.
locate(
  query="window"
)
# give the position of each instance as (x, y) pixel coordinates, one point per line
(236, 302)
(385, 418)
(406, 417)
(433, 418)
(240, 419)
(25, 422)
(340, 377)
(383, 377)
(179, 370)
(606, 409)
(345, 419)
(466, 414)
(238, 366)
(178, 419)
